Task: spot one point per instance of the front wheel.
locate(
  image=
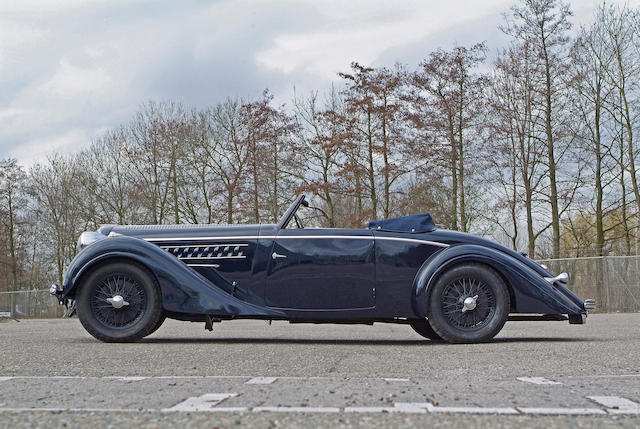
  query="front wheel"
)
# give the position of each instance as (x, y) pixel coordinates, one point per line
(469, 303)
(119, 302)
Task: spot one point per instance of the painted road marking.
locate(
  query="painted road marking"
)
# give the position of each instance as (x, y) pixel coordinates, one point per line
(616, 404)
(208, 403)
(127, 378)
(399, 407)
(74, 410)
(262, 380)
(152, 377)
(561, 411)
(370, 410)
(603, 376)
(471, 410)
(296, 409)
(213, 402)
(166, 377)
(538, 380)
(204, 402)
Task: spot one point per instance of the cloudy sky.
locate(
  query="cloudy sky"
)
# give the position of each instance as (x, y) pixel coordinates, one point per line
(70, 69)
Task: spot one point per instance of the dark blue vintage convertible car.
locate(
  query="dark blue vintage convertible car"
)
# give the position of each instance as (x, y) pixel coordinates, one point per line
(446, 285)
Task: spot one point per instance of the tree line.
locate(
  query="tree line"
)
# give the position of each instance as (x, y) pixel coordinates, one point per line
(535, 147)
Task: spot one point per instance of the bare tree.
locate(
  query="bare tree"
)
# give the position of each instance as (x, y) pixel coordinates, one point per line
(621, 40)
(58, 194)
(544, 24)
(12, 202)
(447, 101)
(321, 136)
(231, 152)
(513, 101)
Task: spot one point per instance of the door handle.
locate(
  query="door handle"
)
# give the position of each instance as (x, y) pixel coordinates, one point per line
(276, 255)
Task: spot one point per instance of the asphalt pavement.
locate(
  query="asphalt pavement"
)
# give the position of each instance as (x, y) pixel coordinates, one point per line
(534, 374)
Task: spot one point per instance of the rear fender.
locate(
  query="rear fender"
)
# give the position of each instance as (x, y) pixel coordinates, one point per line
(530, 292)
(183, 289)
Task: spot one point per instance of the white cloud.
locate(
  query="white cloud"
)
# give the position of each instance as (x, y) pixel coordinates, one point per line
(35, 151)
(71, 81)
(69, 68)
(350, 34)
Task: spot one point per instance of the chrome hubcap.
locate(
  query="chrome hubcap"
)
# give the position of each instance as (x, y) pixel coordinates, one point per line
(117, 301)
(469, 303)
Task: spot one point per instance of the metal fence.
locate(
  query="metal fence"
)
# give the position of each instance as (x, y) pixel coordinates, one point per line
(35, 303)
(614, 282)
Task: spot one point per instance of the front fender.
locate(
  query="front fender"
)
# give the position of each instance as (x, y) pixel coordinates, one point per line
(531, 293)
(183, 289)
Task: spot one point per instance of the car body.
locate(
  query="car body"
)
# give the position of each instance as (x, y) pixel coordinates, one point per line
(383, 273)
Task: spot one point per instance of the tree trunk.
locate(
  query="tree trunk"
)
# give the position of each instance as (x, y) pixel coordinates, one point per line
(623, 188)
(454, 175)
(598, 180)
(254, 164)
(385, 154)
(229, 206)
(371, 172)
(553, 187)
(463, 215)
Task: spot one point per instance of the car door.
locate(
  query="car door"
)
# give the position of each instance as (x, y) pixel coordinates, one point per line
(322, 269)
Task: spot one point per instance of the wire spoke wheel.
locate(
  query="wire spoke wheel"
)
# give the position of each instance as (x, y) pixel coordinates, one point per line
(481, 298)
(119, 302)
(469, 303)
(129, 290)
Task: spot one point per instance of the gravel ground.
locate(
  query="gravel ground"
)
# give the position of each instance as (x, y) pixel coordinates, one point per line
(316, 366)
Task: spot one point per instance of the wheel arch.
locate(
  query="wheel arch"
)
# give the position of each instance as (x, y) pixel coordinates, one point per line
(183, 289)
(430, 273)
(495, 268)
(528, 291)
(109, 258)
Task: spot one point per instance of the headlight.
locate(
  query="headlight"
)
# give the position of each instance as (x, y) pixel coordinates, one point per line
(87, 238)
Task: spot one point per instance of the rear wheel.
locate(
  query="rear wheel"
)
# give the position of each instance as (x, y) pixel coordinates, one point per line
(422, 327)
(468, 304)
(119, 302)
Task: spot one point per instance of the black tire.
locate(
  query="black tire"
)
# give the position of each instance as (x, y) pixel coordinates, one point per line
(446, 304)
(159, 324)
(423, 327)
(129, 323)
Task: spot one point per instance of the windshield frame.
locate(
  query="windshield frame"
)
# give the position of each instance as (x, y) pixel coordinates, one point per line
(288, 215)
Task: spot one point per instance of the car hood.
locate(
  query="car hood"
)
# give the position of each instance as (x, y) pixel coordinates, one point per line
(181, 231)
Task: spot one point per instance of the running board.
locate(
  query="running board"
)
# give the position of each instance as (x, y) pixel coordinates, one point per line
(537, 317)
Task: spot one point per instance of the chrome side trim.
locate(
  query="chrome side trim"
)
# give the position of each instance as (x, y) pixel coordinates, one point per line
(204, 265)
(207, 245)
(306, 237)
(183, 258)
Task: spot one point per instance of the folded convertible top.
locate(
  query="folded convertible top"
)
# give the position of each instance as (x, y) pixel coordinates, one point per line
(413, 223)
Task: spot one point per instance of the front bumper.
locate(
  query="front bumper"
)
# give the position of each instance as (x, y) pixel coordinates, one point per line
(56, 291)
(580, 319)
(69, 304)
